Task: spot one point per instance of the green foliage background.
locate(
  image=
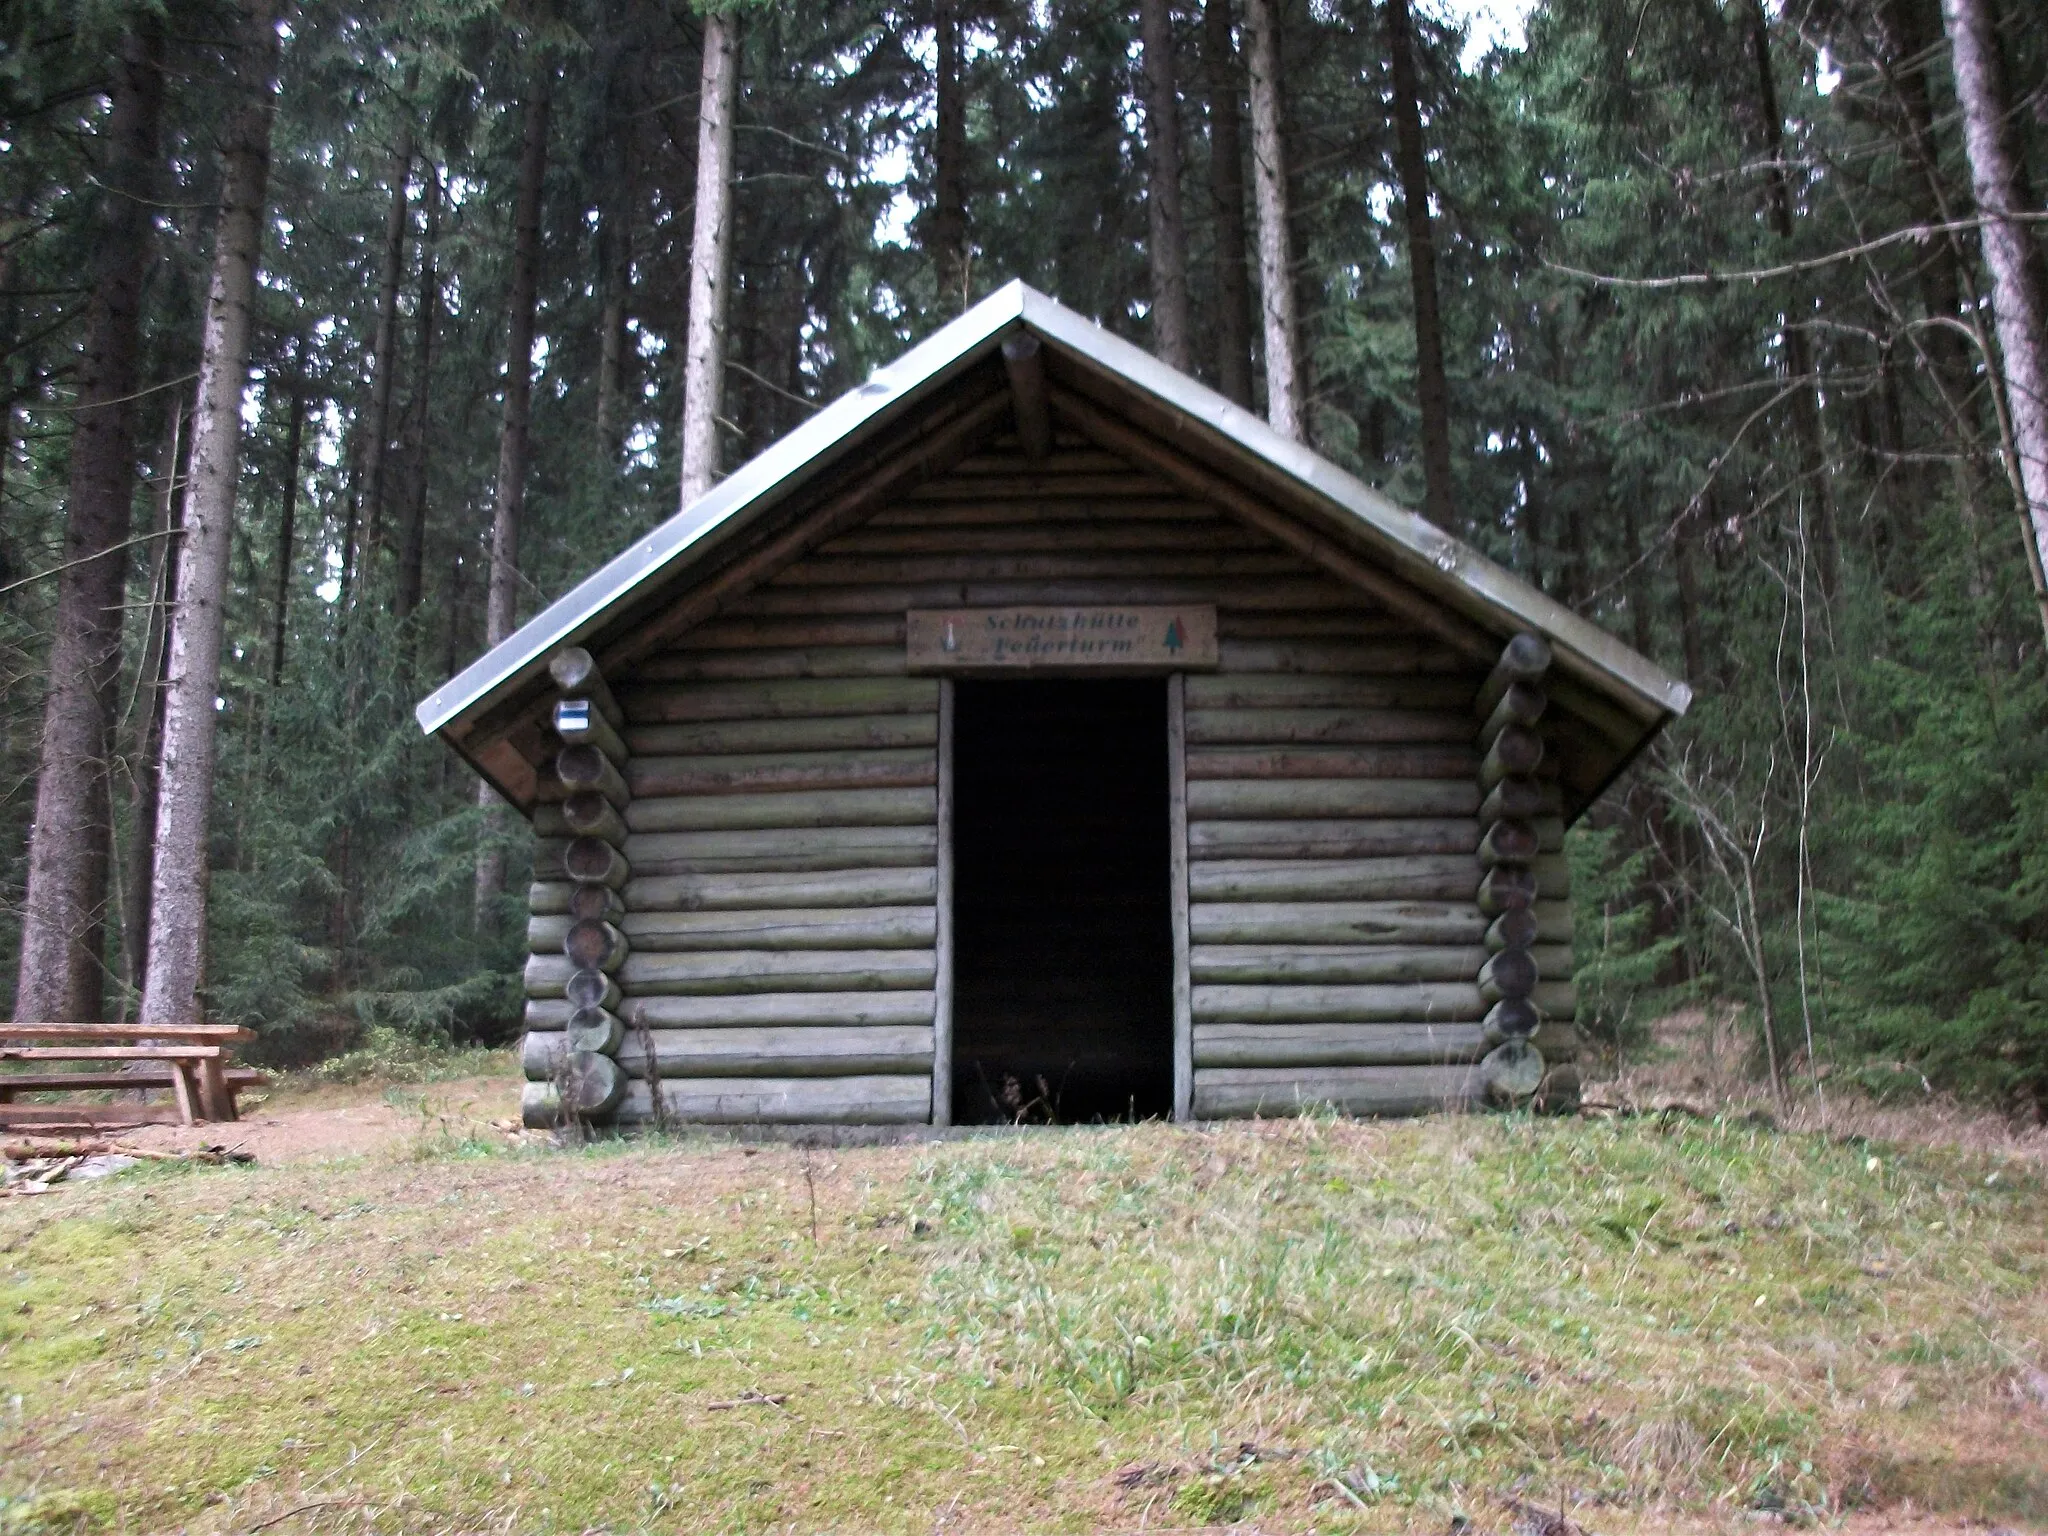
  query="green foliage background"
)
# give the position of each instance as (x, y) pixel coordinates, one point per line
(1853, 611)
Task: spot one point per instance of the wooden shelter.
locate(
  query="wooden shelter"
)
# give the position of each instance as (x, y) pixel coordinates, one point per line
(1036, 734)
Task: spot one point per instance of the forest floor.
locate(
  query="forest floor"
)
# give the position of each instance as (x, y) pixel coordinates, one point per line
(405, 1317)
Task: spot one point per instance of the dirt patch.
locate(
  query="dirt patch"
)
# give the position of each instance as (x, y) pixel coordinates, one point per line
(322, 1124)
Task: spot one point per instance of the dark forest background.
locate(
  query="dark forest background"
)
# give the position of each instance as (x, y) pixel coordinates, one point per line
(1795, 489)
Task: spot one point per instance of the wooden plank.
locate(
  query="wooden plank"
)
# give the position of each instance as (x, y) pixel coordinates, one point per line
(1411, 877)
(207, 1034)
(1231, 1092)
(827, 734)
(734, 773)
(788, 849)
(46, 1119)
(942, 953)
(1323, 839)
(913, 927)
(1342, 1045)
(1366, 658)
(1336, 1045)
(1177, 844)
(698, 973)
(1366, 621)
(120, 1079)
(821, 661)
(1277, 727)
(1296, 964)
(823, 928)
(1420, 761)
(779, 699)
(1455, 923)
(988, 536)
(777, 1008)
(1097, 485)
(1270, 592)
(1289, 690)
(109, 1052)
(969, 509)
(1077, 562)
(1070, 458)
(798, 808)
(735, 633)
(764, 892)
(1456, 1002)
(1287, 799)
(801, 1051)
(866, 1100)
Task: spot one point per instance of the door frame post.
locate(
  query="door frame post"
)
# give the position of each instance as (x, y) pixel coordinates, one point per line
(942, 980)
(1177, 833)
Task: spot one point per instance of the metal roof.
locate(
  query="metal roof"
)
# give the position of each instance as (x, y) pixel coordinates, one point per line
(1413, 547)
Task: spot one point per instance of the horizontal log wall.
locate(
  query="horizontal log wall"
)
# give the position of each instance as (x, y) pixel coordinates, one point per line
(1333, 838)
(781, 816)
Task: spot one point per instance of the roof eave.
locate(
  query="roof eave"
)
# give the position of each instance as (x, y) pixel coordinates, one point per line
(755, 485)
(1415, 547)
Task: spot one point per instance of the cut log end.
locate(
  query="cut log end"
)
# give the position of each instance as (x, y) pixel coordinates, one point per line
(591, 989)
(573, 669)
(595, 945)
(593, 861)
(1512, 1018)
(596, 1030)
(1513, 1071)
(591, 1085)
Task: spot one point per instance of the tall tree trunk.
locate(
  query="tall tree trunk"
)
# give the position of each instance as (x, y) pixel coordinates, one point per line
(1226, 191)
(1798, 348)
(177, 927)
(384, 352)
(2016, 299)
(1276, 258)
(948, 221)
(615, 258)
(62, 974)
(412, 538)
(501, 603)
(287, 515)
(1171, 325)
(1432, 387)
(147, 730)
(710, 256)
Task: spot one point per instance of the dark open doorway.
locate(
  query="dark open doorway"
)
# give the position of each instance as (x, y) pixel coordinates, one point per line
(1062, 929)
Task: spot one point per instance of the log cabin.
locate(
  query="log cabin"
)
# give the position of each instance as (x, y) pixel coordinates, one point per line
(1034, 734)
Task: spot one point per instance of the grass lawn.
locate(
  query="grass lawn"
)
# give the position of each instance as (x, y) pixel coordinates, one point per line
(1291, 1325)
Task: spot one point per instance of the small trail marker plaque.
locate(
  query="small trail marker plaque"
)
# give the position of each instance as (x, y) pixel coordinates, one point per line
(1093, 639)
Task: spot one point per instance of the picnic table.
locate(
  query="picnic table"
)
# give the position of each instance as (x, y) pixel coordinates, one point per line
(190, 1060)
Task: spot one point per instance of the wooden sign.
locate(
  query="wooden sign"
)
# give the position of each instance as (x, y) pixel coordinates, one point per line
(1130, 639)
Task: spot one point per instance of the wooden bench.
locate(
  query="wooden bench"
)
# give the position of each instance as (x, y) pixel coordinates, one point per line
(189, 1060)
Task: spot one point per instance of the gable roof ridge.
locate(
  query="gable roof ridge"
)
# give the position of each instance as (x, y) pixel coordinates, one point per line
(1421, 554)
